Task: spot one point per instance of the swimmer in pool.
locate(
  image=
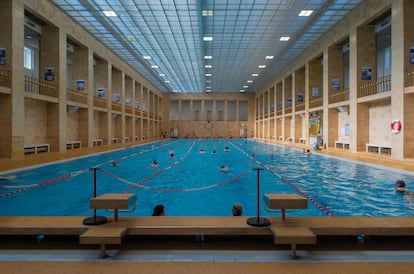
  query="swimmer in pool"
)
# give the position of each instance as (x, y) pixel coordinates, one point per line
(154, 164)
(224, 169)
(401, 187)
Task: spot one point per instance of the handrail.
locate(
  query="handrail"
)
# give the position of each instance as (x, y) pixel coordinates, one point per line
(380, 85)
(99, 102)
(4, 77)
(41, 87)
(76, 96)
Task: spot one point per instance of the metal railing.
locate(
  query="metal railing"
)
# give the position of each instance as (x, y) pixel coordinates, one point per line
(410, 79)
(76, 96)
(339, 96)
(128, 109)
(99, 102)
(379, 85)
(45, 88)
(317, 102)
(116, 106)
(5, 78)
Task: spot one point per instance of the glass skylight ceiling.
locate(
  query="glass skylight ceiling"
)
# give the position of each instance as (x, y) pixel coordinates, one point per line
(173, 34)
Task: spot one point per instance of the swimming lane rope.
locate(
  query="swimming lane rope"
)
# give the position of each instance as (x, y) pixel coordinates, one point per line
(140, 183)
(323, 209)
(21, 188)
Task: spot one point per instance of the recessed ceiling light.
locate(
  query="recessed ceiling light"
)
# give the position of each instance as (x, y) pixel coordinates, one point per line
(242, 90)
(305, 13)
(109, 13)
(255, 74)
(161, 74)
(245, 86)
(208, 74)
(208, 81)
(208, 87)
(208, 90)
(249, 81)
(207, 12)
(262, 66)
(208, 38)
(167, 81)
(208, 66)
(154, 66)
(208, 57)
(131, 39)
(146, 57)
(174, 90)
(284, 38)
(269, 57)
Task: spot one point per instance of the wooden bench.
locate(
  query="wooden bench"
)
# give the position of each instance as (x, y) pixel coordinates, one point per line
(103, 236)
(114, 140)
(97, 142)
(341, 144)
(36, 148)
(114, 202)
(73, 144)
(380, 149)
(302, 141)
(293, 236)
(281, 202)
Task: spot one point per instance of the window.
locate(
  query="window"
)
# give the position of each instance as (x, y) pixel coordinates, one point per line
(28, 58)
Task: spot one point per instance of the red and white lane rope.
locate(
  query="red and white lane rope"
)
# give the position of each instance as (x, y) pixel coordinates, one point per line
(297, 189)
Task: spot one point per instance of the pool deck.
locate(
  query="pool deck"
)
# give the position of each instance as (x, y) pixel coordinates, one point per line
(332, 226)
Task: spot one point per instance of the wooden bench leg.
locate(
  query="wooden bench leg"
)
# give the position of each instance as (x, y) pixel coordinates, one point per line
(103, 251)
(293, 251)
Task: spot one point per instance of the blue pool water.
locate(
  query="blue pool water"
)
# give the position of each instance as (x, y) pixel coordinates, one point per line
(191, 183)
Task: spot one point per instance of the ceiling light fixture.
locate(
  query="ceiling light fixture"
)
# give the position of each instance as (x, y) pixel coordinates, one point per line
(208, 66)
(208, 38)
(242, 90)
(284, 38)
(207, 12)
(262, 66)
(146, 57)
(154, 66)
(269, 57)
(161, 74)
(109, 13)
(208, 74)
(249, 81)
(255, 74)
(305, 12)
(208, 57)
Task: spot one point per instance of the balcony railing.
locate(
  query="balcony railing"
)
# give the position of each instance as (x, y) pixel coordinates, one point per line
(410, 79)
(36, 86)
(128, 109)
(99, 102)
(379, 85)
(317, 102)
(116, 106)
(5, 78)
(339, 96)
(76, 96)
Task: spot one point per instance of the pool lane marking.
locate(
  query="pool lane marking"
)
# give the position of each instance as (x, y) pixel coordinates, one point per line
(163, 189)
(323, 209)
(21, 188)
(143, 181)
(137, 153)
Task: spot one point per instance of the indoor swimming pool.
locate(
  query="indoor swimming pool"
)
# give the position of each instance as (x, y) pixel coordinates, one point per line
(192, 183)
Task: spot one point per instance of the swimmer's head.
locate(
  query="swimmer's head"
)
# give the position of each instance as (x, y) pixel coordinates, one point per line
(400, 183)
